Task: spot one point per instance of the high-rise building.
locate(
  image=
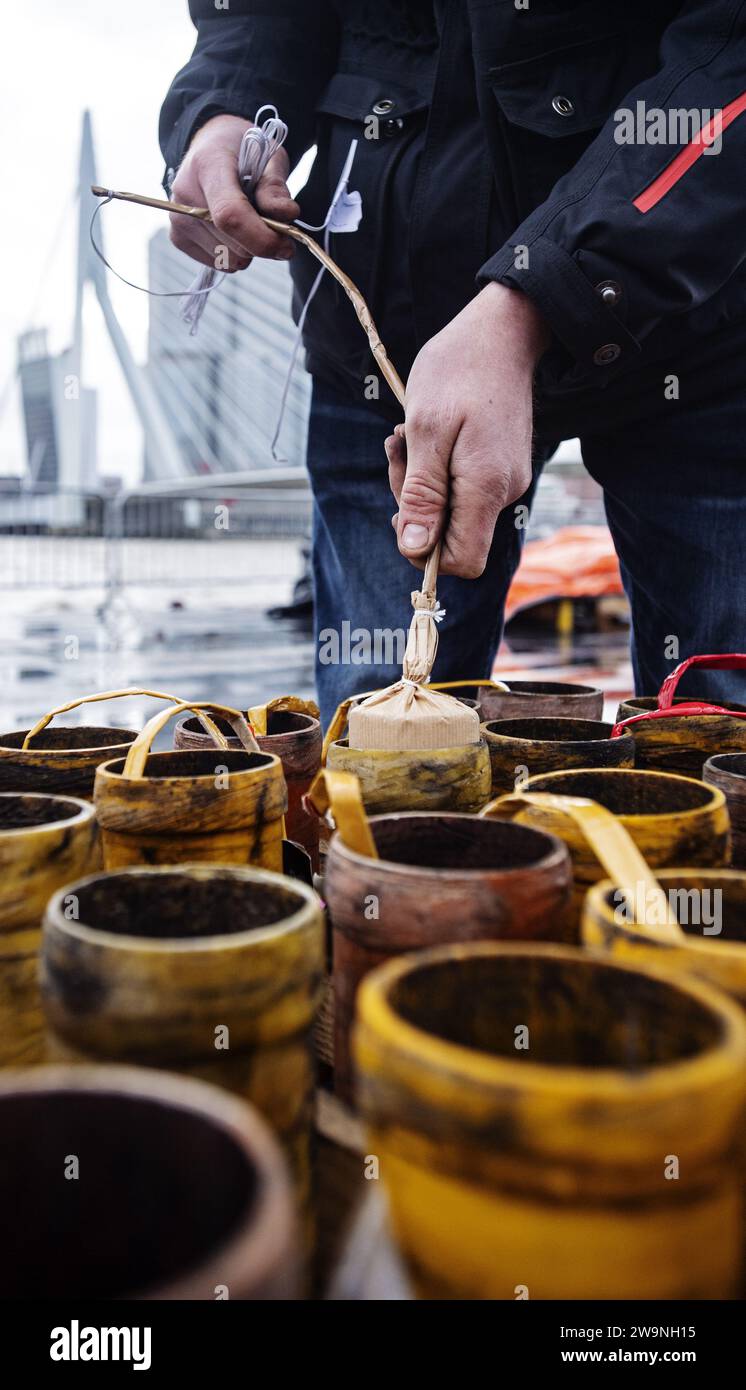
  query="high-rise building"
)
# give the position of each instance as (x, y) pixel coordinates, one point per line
(59, 416)
(221, 389)
(35, 373)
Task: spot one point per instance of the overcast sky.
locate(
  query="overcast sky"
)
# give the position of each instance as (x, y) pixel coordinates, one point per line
(117, 58)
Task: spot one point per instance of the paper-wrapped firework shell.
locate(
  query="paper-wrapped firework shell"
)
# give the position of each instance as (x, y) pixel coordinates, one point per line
(405, 715)
(409, 716)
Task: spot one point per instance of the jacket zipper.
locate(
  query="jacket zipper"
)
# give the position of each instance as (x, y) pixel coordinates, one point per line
(684, 160)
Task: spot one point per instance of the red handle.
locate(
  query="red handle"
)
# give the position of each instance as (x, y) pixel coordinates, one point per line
(729, 661)
(686, 707)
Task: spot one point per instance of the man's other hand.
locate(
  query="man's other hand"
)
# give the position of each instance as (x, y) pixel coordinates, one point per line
(208, 177)
(464, 452)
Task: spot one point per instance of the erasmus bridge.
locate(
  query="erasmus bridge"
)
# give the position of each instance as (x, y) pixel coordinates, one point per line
(176, 580)
(208, 404)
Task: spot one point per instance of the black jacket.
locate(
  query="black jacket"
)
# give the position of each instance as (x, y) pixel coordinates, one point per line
(496, 154)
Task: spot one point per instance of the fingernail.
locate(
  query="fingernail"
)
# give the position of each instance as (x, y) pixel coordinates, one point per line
(413, 537)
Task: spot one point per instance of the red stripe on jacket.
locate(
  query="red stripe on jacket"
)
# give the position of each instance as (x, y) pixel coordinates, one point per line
(689, 155)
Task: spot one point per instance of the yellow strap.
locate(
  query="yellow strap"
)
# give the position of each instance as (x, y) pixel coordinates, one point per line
(340, 791)
(611, 843)
(459, 685)
(137, 755)
(259, 714)
(336, 728)
(258, 718)
(339, 722)
(91, 699)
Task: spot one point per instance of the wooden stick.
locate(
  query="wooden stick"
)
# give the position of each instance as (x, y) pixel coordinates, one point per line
(286, 229)
(202, 213)
(388, 370)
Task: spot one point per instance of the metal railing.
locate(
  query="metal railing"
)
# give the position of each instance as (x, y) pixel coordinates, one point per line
(70, 540)
(204, 530)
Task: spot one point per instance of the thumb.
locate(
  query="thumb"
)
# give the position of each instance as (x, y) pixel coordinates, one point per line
(272, 196)
(424, 494)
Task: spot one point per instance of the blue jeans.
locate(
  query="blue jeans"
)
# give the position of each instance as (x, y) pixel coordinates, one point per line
(675, 493)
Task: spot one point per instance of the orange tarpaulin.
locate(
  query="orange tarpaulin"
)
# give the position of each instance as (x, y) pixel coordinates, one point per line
(576, 562)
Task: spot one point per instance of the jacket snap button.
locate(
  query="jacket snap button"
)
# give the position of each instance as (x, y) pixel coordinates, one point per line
(563, 106)
(606, 354)
(383, 107)
(609, 291)
(392, 126)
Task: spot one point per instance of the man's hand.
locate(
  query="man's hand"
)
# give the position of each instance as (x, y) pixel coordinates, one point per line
(208, 177)
(465, 451)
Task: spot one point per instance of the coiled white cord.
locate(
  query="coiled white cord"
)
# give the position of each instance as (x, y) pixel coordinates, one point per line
(258, 145)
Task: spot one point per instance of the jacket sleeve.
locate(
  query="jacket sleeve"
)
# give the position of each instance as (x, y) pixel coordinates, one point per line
(247, 53)
(637, 233)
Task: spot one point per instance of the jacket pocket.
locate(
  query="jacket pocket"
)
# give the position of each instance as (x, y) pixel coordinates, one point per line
(385, 118)
(553, 104)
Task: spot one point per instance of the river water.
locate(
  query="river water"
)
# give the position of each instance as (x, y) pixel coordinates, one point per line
(189, 617)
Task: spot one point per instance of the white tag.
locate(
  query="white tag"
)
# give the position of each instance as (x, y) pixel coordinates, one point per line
(346, 209)
(346, 214)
